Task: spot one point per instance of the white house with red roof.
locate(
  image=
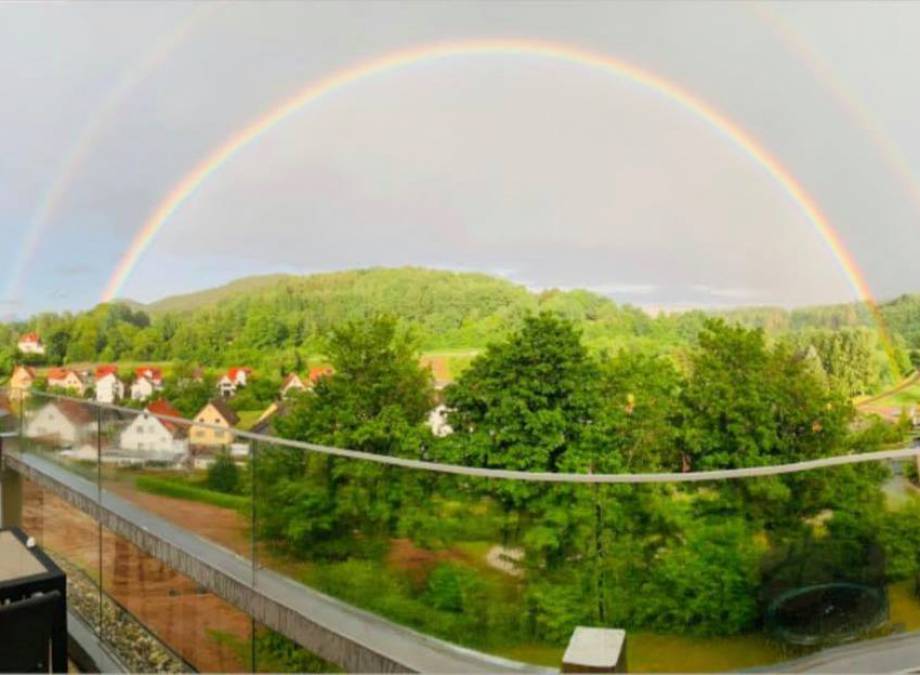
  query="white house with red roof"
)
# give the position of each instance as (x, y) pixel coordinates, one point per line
(67, 379)
(237, 376)
(31, 343)
(109, 388)
(147, 381)
(62, 422)
(154, 436)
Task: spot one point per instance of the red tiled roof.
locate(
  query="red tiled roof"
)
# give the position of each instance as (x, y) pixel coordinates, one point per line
(102, 371)
(233, 372)
(30, 337)
(151, 373)
(163, 407)
(60, 373)
(316, 372)
(78, 413)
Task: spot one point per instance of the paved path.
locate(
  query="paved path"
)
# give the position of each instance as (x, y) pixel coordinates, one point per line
(415, 651)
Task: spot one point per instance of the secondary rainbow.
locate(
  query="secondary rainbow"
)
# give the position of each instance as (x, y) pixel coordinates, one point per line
(822, 72)
(91, 133)
(501, 47)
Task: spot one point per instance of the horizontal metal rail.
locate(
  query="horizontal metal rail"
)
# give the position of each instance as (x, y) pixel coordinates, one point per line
(533, 476)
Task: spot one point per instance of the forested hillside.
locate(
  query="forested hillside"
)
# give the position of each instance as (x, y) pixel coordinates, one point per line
(281, 320)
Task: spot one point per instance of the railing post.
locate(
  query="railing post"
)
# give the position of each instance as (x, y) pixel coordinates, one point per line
(595, 650)
(10, 488)
(10, 497)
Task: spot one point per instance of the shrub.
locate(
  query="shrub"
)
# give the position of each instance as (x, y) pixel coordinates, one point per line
(182, 490)
(223, 475)
(444, 589)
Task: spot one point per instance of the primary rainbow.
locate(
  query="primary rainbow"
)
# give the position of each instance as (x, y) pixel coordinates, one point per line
(507, 47)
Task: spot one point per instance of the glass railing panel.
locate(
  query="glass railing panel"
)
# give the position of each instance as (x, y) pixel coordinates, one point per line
(703, 576)
(33, 517)
(63, 431)
(437, 553)
(700, 575)
(274, 653)
(188, 476)
(71, 538)
(159, 620)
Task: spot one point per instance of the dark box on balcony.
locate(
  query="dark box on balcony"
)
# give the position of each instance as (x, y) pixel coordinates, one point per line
(33, 608)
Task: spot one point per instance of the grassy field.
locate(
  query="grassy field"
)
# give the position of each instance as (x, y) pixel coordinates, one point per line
(904, 398)
(651, 653)
(905, 394)
(247, 418)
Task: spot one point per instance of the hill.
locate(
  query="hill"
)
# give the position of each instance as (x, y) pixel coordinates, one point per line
(187, 302)
(279, 321)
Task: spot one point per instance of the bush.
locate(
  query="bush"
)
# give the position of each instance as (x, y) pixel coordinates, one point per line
(224, 475)
(444, 589)
(182, 490)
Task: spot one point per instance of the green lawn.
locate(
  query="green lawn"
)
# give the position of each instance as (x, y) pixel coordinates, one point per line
(248, 418)
(651, 653)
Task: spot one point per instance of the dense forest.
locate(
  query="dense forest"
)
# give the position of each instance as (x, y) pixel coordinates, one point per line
(280, 321)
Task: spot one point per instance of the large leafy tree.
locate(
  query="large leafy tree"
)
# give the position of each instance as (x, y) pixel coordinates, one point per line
(524, 402)
(376, 401)
(748, 404)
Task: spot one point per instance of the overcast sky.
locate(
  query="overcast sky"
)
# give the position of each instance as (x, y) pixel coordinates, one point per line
(547, 173)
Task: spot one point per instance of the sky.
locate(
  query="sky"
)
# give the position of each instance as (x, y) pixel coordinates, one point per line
(548, 173)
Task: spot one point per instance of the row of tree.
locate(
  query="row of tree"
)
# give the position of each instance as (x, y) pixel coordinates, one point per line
(277, 326)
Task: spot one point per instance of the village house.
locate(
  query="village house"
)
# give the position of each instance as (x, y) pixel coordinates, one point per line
(147, 381)
(62, 422)
(233, 378)
(21, 382)
(437, 422)
(292, 382)
(31, 343)
(206, 442)
(67, 379)
(155, 375)
(109, 388)
(217, 413)
(149, 434)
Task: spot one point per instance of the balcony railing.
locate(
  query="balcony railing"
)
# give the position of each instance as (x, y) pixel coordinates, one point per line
(268, 554)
